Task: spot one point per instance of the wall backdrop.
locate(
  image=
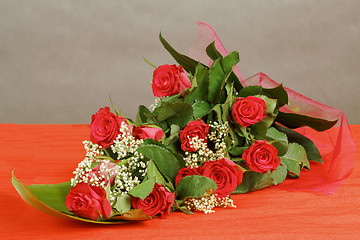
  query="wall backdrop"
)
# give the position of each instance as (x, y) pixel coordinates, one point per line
(60, 59)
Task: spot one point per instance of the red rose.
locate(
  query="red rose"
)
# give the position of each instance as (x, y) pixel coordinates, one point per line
(193, 129)
(169, 80)
(248, 111)
(144, 132)
(188, 171)
(105, 127)
(225, 174)
(159, 201)
(88, 201)
(261, 157)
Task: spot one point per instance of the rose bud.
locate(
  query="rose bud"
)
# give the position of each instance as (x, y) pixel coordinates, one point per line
(105, 127)
(169, 80)
(261, 157)
(193, 129)
(144, 132)
(158, 202)
(104, 171)
(248, 111)
(225, 174)
(88, 202)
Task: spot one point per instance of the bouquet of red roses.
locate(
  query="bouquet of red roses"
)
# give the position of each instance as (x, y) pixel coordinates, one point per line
(207, 136)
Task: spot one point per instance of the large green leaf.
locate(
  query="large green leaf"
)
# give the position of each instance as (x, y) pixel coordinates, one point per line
(274, 134)
(179, 113)
(143, 115)
(279, 175)
(123, 204)
(153, 172)
(186, 62)
(312, 151)
(201, 109)
(294, 120)
(253, 181)
(212, 52)
(199, 91)
(144, 189)
(194, 186)
(165, 160)
(250, 91)
(54, 195)
(295, 158)
(219, 74)
(279, 93)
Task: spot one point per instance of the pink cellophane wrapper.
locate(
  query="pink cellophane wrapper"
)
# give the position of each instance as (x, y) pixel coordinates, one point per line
(336, 145)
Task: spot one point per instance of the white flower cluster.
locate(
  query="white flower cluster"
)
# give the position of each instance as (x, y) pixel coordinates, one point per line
(125, 143)
(84, 173)
(207, 204)
(125, 180)
(217, 135)
(125, 146)
(92, 150)
(84, 169)
(156, 103)
(121, 173)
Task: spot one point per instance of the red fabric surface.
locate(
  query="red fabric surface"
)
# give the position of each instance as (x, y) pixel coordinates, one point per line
(49, 154)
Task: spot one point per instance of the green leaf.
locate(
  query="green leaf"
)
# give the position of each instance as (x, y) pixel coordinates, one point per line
(179, 113)
(259, 130)
(237, 151)
(53, 195)
(199, 90)
(153, 172)
(279, 93)
(295, 158)
(312, 151)
(187, 63)
(279, 175)
(219, 74)
(216, 81)
(235, 80)
(142, 115)
(175, 97)
(240, 189)
(123, 204)
(164, 159)
(253, 181)
(294, 120)
(143, 189)
(250, 91)
(270, 103)
(194, 186)
(219, 112)
(212, 52)
(201, 109)
(273, 133)
(57, 201)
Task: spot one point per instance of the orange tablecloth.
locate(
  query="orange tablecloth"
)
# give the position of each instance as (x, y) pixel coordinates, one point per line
(49, 154)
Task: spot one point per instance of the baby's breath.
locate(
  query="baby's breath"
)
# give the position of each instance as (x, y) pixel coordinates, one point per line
(207, 204)
(125, 143)
(217, 135)
(156, 103)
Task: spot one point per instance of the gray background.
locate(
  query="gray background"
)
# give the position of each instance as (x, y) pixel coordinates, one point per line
(60, 60)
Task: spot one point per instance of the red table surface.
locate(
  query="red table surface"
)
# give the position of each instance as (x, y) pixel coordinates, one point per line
(49, 154)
